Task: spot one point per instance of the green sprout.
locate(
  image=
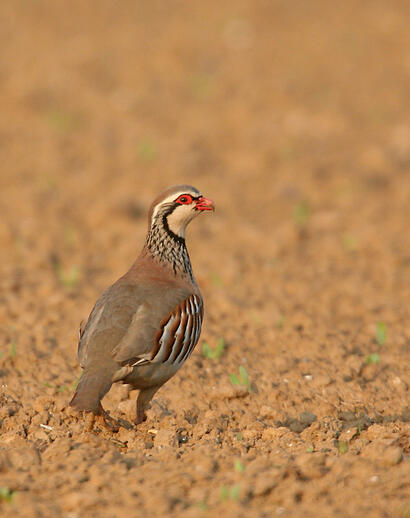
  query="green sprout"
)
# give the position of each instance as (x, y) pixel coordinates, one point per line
(235, 492)
(239, 467)
(202, 505)
(216, 279)
(287, 151)
(256, 318)
(242, 379)
(68, 277)
(7, 494)
(381, 332)
(309, 449)
(372, 358)
(281, 322)
(224, 493)
(200, 86)
(70, 235)
(147, 150)
(12, 350)
(342, 447)
(301, 213)
(216, 352)
(62, 121)
(230, 493)
(349, 243)
(239, 436)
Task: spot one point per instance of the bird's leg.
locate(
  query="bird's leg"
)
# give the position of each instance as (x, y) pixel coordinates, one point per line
(90, 421)
(103, 418)
(126, 391)
(109, 422)
(144, 397)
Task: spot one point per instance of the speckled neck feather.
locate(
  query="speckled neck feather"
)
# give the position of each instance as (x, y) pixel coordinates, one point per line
(168, 248)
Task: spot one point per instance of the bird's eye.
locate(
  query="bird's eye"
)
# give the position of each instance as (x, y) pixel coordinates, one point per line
(184, 199)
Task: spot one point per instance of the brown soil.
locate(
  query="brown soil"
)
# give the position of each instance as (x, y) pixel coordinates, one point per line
(294, 118)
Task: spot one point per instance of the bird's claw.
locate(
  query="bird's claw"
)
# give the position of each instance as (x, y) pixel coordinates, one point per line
(103, 419)
(140, 419)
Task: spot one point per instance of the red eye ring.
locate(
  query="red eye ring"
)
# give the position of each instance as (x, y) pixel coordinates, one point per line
(184, 199)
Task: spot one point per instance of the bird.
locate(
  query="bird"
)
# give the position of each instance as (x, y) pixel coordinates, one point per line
(144, 327)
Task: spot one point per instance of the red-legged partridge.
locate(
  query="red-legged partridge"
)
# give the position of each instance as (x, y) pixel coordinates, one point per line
(145, 326)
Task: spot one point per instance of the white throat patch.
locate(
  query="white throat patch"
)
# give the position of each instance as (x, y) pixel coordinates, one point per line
(179, 219)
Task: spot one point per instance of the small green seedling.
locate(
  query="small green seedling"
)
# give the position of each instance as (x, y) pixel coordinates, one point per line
(349, 243)
(309, 449)
(256, 317)
(224, 493)
(216, 279)
(62, 121)
(200, 86)
(230, 493)
(342, 447)
(287, 151)
(381, 333)
(281, 322)
(147, 150)
(242, 379)
(68, 277)
(6, 494)
(235, 492)
(202, 505)
(70, 236)
(13, 350)
(301, 213)
(239, 467)
(239, 436)
(215, 353)
(372, 358)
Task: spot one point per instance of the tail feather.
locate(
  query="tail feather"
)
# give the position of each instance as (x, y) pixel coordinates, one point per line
(91, 388)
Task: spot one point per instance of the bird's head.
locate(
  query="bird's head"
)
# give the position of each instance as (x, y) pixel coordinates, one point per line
(176, 207)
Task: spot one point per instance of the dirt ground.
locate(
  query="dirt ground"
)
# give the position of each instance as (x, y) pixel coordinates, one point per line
(294, 118)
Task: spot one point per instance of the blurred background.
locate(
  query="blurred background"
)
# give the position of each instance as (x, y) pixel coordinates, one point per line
(259, 104)
(272, 108)
(293, 116)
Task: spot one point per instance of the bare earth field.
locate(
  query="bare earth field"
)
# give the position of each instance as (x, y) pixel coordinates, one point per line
(294, 118)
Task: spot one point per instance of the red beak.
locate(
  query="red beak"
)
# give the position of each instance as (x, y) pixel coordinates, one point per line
(204, 204)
